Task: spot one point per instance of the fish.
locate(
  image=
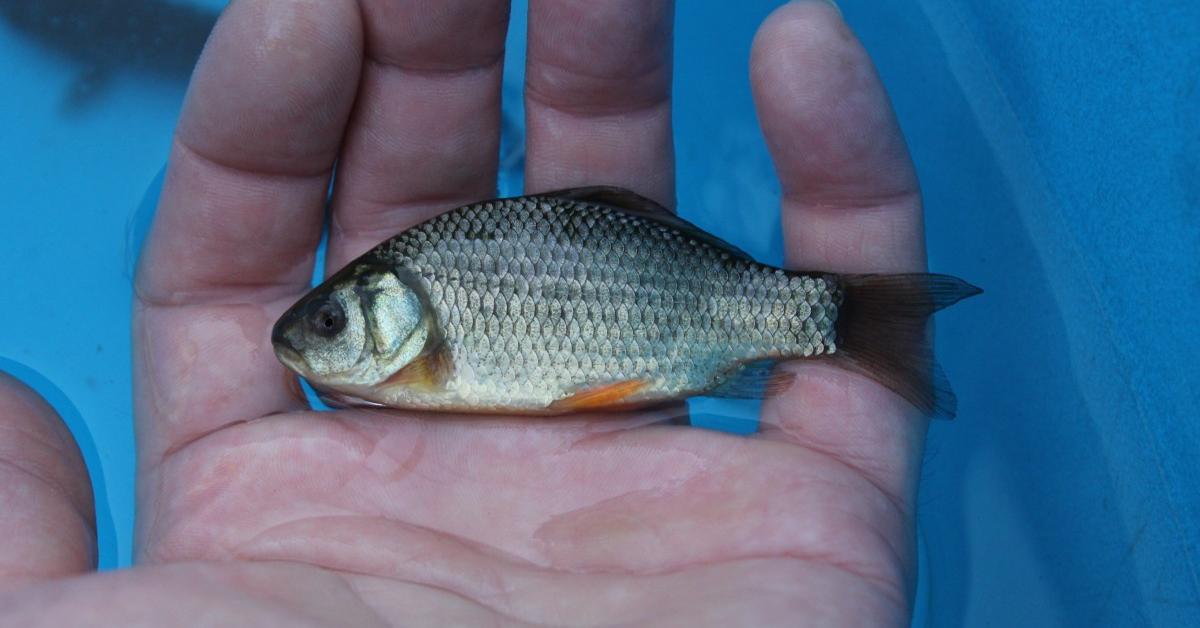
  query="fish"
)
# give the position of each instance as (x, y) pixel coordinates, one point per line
(103, 38)
(596, 299)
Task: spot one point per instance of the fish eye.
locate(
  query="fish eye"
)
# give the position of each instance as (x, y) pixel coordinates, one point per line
(328, 320)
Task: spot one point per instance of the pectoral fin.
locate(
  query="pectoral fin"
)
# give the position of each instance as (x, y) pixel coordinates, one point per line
(429, 371)
(339, 401)
(600, 397)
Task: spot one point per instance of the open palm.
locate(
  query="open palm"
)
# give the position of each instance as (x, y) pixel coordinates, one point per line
(254, 509)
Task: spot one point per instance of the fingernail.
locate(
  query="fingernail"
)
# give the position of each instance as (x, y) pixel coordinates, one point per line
(834, 4)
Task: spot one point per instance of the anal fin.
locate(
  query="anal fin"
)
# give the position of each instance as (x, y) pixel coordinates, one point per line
(753, 380)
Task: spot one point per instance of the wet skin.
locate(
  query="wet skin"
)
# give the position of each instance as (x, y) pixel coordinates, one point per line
(253, 509)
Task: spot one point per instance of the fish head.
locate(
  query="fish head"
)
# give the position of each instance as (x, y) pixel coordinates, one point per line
(355, 330)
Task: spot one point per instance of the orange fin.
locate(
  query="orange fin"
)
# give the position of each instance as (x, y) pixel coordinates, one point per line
(598, 397)
(428, 371)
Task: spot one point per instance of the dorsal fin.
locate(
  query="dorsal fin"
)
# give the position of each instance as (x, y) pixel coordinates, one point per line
(612, 196)
(638, 205)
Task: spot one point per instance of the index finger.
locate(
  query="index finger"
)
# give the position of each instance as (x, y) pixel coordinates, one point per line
(240, 214)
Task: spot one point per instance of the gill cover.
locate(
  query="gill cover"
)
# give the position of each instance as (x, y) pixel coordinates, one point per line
(399, 320)
(355, 330)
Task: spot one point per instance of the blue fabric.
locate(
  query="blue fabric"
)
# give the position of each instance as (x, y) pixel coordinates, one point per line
(1059, 147)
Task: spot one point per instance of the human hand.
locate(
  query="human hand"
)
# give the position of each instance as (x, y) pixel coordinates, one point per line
(253, 509)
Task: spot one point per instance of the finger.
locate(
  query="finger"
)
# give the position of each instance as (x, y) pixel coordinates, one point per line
(851, 203)
(47, 521)
(259, 132)
(598, 96)
(240, 214)
(426, 129)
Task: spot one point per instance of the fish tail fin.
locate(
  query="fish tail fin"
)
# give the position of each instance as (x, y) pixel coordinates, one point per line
(883, 333)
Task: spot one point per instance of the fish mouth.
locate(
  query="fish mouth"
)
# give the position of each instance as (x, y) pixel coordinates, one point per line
(285, 352)
(290, 358)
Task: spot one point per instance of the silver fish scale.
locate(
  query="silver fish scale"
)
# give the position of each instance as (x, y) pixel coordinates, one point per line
(537, 298)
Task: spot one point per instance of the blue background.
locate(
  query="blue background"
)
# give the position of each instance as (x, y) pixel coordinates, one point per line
(1058, 145)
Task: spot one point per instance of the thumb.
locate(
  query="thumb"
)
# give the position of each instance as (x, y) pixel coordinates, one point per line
(47, 520)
